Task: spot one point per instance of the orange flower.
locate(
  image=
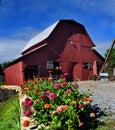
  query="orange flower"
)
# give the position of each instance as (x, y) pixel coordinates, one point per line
(64, 107)
(36, 92)
(26, 123)
(85, 99)
(47, 106)
(92, 114)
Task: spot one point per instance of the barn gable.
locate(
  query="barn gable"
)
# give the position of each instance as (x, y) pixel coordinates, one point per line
(78, 29)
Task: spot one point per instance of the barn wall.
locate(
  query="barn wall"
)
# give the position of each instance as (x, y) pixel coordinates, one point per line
(69, 44)
(14, 74)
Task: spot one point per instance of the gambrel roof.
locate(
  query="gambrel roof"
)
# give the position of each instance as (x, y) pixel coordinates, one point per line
(41, 36)
(32, 45)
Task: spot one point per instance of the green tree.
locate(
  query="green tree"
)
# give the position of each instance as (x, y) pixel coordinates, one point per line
(111, 61)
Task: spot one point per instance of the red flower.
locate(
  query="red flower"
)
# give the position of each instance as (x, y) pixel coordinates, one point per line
(43, 97)
(28, 113)
(52, 95)
(28, 102)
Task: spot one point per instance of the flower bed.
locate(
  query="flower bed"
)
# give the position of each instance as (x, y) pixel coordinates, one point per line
(58, 104)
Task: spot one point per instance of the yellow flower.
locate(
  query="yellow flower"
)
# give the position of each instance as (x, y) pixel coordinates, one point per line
(74, 102)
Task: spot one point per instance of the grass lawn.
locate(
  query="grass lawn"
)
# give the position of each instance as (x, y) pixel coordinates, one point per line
(10, 114)
(2, 83)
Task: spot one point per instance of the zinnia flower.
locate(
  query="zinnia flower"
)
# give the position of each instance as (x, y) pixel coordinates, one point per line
(27, 100)
(57, 85)
(75, 85)
(85, 99)
(59, 109)
(68, 91)
(47, 93)
(64, 84)
(64, 107)
(43, 97)
(47, 106)
(52, 96)
(26, 123)
(50, 78)
(28, 104)
(80, 124)
(74, 102)
(80, 105)
(92, 114)
(28, 113)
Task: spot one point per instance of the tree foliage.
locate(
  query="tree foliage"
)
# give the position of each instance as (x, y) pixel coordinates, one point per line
(2, 66)
(111, 61)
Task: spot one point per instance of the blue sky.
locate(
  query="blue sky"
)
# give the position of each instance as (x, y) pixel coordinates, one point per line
(21, 20)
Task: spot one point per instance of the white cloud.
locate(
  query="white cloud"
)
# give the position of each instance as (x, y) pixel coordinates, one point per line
(102, 47)
(10, 49)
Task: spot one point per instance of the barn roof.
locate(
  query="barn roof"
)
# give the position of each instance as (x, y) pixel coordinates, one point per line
(44, 35)
(41, 36)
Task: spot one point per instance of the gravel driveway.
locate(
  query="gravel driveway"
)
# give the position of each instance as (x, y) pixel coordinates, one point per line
(103, 93)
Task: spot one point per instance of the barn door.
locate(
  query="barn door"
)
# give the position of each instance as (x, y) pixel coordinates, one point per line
(30, 72)
(77, 72)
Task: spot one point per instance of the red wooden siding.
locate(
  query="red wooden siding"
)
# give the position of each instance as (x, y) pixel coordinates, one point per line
(14, 74)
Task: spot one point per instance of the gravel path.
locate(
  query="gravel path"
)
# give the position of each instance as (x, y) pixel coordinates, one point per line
(103, 93)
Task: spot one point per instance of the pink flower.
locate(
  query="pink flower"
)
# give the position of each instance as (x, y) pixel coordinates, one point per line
(68, 91)
(50, 78)
(65, 74)
(57, 85)
(64, 84)
(43, 97)
(28, 104)
(75, 85)
(52, 95)
(59, 109)
(27, 100)
(80, 105)
(28, 113)
(80, 124)
(47, 93)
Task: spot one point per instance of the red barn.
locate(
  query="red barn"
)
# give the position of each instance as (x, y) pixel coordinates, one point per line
(64, 46)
